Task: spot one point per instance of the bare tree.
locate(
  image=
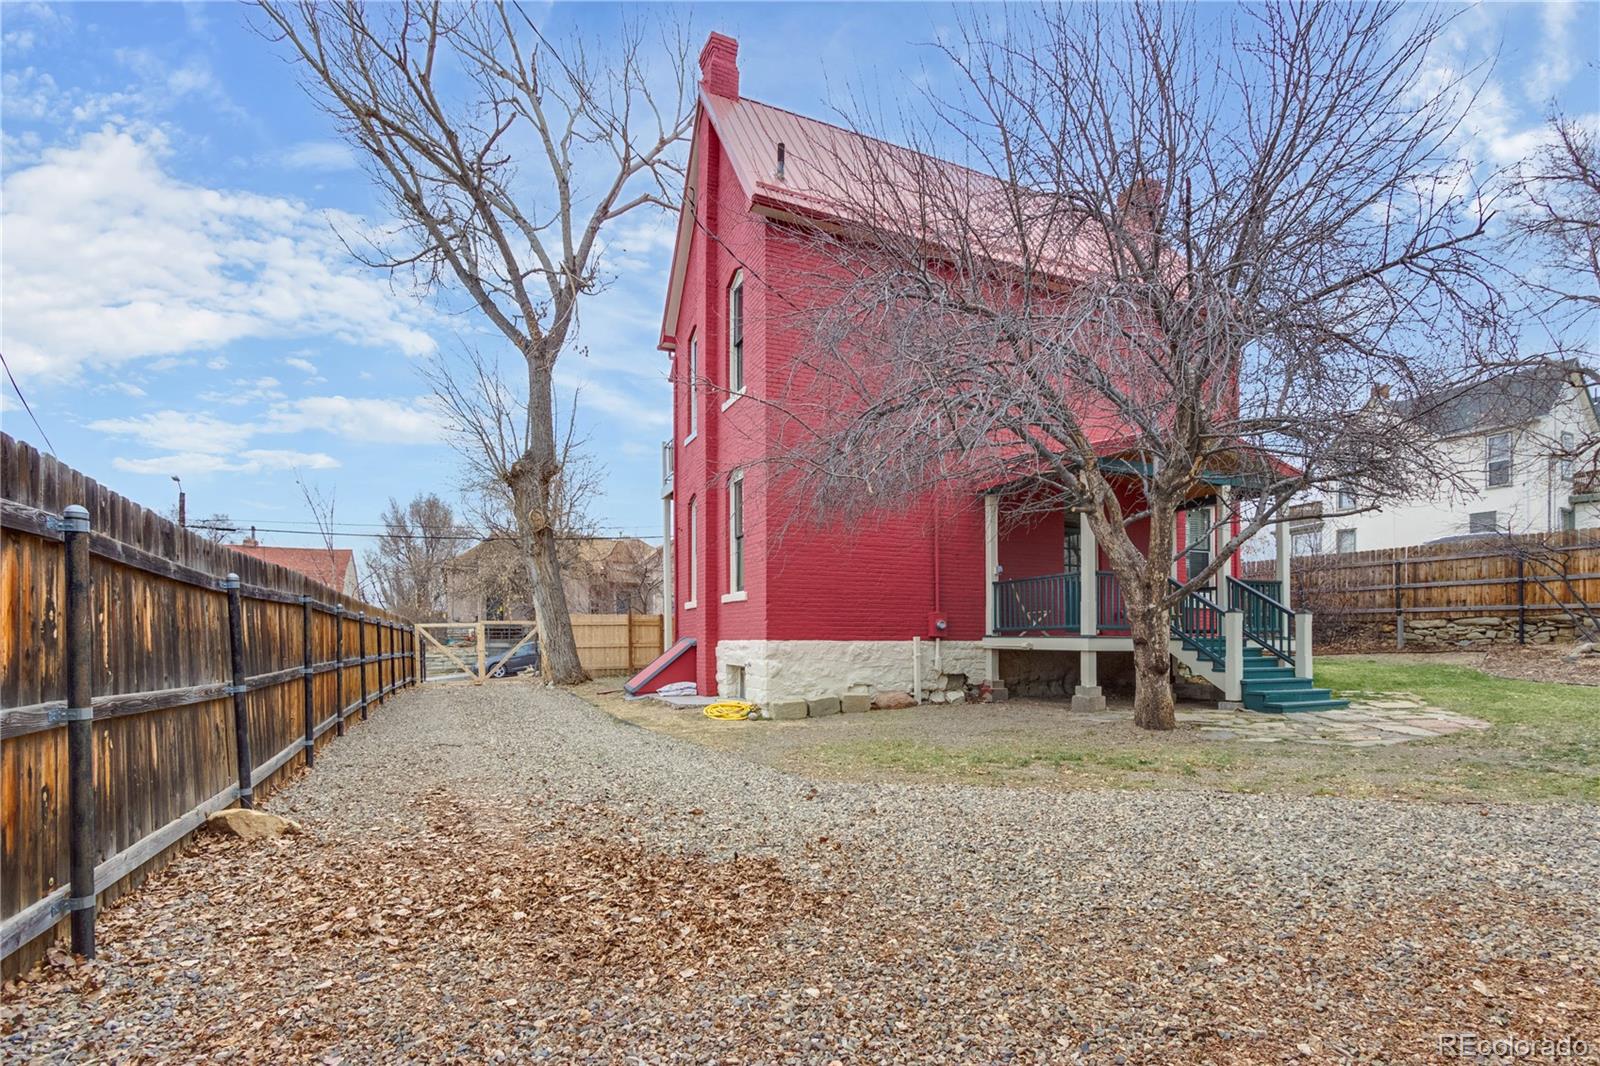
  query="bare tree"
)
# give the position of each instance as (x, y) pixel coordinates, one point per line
(487, 424)
(217, 527)
(1560, 224)
(407, 566)
(504, 156)
(1178, 264)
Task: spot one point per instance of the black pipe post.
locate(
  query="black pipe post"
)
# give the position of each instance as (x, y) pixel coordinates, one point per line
(241, 716)
(361, 657)
(80, 728)
(310, 708)
(338, 672)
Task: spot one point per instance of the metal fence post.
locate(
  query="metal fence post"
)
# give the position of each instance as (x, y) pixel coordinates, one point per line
(309, 689)
(338, 670)
(80, 728)
(361, 657)
(241, 715)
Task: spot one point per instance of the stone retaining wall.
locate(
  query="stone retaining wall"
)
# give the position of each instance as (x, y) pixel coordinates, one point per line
(1480, 630)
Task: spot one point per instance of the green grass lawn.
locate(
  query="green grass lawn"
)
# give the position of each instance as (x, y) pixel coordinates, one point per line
(1543, 744)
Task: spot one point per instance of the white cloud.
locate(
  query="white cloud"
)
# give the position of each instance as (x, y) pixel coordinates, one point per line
(415, 421)
(632, 404)
(178, 431)
(217, 362)
(1551, 66)
(305, 366)
(111, 258)
(252, 461)
(317, 155)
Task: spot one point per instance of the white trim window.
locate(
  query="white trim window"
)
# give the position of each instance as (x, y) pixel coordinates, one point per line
(1569, 444)
(693, 554)
(736, 532)
(1497, 460)
(1344, 542)
(736, 335)
(1344, 499)
(694, 386)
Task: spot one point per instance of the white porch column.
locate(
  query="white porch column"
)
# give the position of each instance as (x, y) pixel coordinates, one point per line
(1233, 657)
(1302, 644)
(1088, 696)
(1281, 531)
(991, 570)
(1088, 583)
(1220, 534)
(991, 559)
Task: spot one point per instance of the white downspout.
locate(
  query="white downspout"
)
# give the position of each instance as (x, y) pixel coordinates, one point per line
(916, 669)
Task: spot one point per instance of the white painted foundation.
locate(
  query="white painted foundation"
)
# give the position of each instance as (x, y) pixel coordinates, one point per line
(812, 669)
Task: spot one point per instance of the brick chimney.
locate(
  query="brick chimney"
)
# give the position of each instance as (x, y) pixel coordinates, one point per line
(719, 66)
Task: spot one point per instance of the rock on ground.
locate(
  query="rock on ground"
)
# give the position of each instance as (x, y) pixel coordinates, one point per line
(251, 824)
(507, 873)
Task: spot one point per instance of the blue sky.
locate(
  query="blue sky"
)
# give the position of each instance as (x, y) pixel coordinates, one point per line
(177, 299)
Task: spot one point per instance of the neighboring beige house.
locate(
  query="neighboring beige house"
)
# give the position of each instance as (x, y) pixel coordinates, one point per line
(1525, 445)
(601, 575)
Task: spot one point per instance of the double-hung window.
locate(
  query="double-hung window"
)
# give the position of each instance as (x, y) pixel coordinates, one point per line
(736, 533)
(736, 335)
(1497, 460)
(1197, 532)
(694, 386)
(693, 553)
(1568, 444)
(1345, 541)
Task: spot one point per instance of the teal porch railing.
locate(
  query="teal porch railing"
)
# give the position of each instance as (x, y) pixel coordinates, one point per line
(1197, 622)
(1111, 610)
(1036, 604)
(1266, 621)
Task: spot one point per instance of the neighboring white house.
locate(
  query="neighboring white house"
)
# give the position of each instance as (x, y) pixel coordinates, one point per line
(1525, 443)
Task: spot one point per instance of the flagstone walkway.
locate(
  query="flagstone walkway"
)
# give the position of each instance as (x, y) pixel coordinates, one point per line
(1393, 719)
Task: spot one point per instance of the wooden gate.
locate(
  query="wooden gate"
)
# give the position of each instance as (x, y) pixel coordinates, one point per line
(474, 648)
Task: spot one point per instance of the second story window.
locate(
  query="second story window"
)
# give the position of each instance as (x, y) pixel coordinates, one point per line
(736, 335)
(1568, 443)
(694, 387)
(1344, 499)
(1497, 461)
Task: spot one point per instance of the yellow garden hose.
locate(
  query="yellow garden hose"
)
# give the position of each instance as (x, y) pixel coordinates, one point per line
(730, 710)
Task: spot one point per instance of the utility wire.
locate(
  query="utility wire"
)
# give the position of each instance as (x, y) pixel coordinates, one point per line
(393, 536)
(25, 406)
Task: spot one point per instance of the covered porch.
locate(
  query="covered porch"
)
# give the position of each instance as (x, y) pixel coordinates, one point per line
(1049, 588)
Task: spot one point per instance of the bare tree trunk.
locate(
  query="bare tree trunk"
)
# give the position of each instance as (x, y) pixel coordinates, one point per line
(1153, 706)
(534, 477)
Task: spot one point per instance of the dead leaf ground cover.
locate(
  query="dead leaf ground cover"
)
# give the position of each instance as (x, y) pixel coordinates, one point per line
(550, 884)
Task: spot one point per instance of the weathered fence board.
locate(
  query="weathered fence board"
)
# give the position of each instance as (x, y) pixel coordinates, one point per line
(162, 726)
(1501, 588)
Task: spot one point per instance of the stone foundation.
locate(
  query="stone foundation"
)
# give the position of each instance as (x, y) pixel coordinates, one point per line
(783, 670)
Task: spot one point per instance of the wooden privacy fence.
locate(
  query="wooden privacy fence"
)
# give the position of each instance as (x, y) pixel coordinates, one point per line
(617, 643)
(150, 678)
(1493, 588)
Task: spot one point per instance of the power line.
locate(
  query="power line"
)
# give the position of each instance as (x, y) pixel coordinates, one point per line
(18, 390)
(393, 536)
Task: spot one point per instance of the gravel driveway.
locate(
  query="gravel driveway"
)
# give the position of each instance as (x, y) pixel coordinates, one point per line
(510, 873)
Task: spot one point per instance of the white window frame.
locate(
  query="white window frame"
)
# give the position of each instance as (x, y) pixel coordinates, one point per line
(1344, 499)
(1305, 542)
(694, 551)
(1568, 443)
(1566, 519)
(1339, 542)
(1490, 462)
(694, 388)
(1494, 521)
(735, 362)
(736, 555)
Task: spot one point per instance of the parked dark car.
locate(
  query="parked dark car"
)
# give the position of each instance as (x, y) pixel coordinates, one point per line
(524, 661)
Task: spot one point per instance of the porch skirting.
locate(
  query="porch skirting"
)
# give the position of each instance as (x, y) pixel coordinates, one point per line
(815, 669)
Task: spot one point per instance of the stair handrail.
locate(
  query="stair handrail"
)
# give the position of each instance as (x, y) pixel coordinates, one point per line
(1193, 605)
(1266, 621)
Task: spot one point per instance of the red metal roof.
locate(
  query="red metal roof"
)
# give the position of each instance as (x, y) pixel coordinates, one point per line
(323, 565)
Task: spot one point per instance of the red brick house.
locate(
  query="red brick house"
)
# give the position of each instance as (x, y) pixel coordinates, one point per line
(932, 599)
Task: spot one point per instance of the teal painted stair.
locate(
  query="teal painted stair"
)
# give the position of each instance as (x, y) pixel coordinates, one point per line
(1270, 685)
